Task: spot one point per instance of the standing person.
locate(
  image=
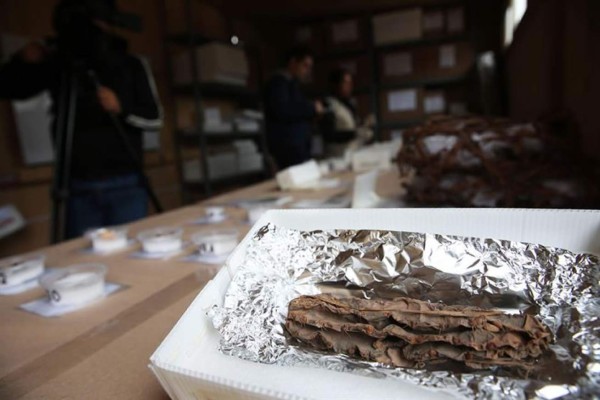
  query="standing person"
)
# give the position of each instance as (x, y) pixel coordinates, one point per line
(340, 126)
(287, 111)
(105, 188)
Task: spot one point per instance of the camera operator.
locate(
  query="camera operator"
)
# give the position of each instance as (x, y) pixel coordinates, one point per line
(104, 187)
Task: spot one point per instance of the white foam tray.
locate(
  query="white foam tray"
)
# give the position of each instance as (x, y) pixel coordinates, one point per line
(189, 366)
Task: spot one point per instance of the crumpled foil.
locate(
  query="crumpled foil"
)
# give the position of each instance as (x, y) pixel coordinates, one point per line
(560, 287)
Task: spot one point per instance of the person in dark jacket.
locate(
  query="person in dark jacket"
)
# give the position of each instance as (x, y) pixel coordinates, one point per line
(340, 125)
(105, 188)
(288, 113)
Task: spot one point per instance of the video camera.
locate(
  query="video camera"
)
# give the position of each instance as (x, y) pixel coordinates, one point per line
(78, 24)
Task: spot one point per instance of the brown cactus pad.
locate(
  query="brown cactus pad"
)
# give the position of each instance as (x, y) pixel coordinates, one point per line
(415, 334)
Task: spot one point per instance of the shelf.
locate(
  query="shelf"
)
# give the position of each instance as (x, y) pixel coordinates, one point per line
(219, 90)
(241, 179)
(342, 54)
(197, 39)
(453, 80)
(421, 42)
(192, 137)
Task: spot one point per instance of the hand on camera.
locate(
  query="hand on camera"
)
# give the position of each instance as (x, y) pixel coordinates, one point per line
(33, 53)
(109, 100)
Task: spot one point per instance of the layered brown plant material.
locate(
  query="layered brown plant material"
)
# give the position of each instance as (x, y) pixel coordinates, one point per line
(415, 334)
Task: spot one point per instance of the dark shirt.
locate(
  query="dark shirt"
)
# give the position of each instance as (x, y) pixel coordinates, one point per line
(288, 117)
(97, 149)
(327, 124)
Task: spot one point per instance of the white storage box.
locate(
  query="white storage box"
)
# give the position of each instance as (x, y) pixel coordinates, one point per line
(398, 26)
(216, 62)
(189, 365)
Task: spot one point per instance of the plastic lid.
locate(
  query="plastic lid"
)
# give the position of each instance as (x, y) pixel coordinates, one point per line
(16, 263)
(73, 276)
(160, 234)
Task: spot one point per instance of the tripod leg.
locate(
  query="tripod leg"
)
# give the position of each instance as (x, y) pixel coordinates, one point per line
(63, 135)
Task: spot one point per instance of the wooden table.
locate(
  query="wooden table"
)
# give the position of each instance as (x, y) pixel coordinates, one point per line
(102, 351)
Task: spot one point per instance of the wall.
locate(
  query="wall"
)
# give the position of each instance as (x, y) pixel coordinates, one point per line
(553, 66)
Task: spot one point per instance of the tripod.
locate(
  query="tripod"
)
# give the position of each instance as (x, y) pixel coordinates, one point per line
(63, 132)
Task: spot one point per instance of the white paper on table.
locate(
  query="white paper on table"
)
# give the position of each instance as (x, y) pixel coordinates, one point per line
(455, 20)
(11, 220)
(33, 120)
(433, 21)
(447, 56)
(90, 249)
(402, 100)
(434, 104)
(45, 308)
(303, 34)
(345, 31)
(159, 255)
(398, 64)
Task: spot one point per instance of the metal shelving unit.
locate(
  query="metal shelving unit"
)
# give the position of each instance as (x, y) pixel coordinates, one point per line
(374, 51)
(199, 91)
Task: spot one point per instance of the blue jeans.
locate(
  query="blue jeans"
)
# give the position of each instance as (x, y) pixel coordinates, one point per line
(104, 202)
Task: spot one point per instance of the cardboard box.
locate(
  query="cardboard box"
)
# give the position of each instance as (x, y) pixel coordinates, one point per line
(434, 22)
(434, 102)
(399, 66)
(359, 67)
(455, 20)
(347, 34)
(401, 104)
(427, 62)
(310, 36)
(189, 365)
(398, 26)
(217, 62)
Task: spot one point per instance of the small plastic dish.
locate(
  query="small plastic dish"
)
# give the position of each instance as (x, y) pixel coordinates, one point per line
(216, 243)
(161, 240)
(215, 212)
(108, 239)
(75, 285)
(17, 270)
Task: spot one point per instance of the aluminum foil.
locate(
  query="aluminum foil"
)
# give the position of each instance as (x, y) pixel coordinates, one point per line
(560, 287)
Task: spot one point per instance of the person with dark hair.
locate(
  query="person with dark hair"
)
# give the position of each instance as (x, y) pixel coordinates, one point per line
(105, 188)
(340, 126)
(288, 113)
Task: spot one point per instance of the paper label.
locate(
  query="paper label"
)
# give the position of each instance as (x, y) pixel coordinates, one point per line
(398, 64)
(447, 56)
(434, 104)
(433, 21)
(212, 115)
(303, 34)
(346, 31)
(455, 20)
(402, 100)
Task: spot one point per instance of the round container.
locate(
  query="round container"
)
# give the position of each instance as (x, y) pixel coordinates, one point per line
(75, 285)
(216, 243)
(108, 239)
(17, 270)
(215, 213)
(161, 240)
